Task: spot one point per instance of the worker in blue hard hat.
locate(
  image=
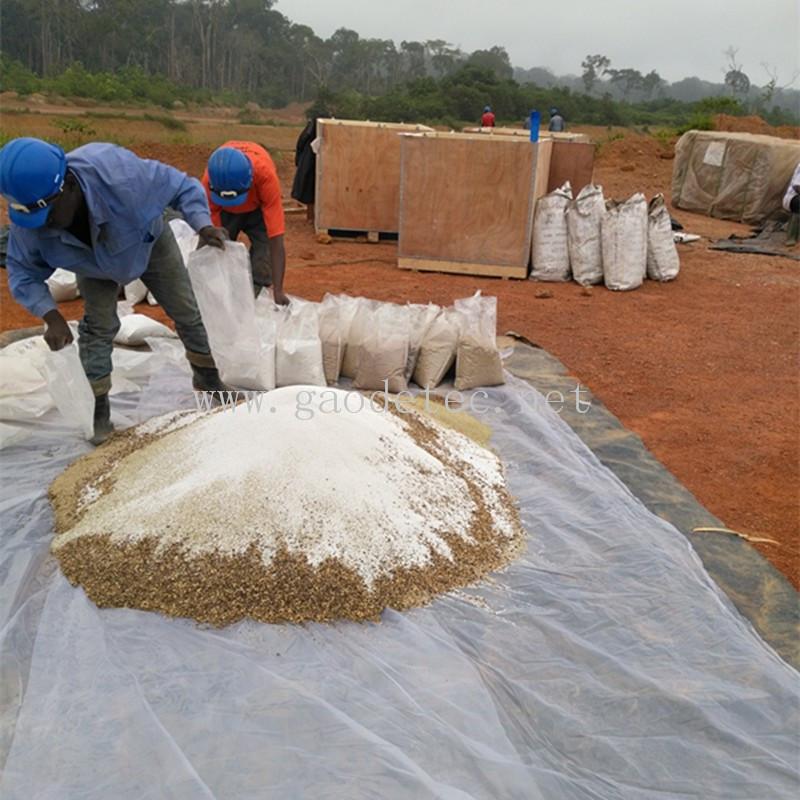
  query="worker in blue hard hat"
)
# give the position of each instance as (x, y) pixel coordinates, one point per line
(244, 195)
(97, 211)
(487, 119)
(557, 123)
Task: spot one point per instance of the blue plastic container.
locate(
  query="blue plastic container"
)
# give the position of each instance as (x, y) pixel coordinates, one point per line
(535, 120)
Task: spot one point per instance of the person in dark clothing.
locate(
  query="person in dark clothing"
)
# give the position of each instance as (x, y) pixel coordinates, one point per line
(305, 160)
(557, 123)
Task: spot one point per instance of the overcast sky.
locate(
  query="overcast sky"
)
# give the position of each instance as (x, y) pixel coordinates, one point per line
(678, 38)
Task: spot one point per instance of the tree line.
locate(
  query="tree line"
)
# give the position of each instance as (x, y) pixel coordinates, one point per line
(235, 51)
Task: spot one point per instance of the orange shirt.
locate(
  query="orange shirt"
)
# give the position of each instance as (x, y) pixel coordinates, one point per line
(265, 193)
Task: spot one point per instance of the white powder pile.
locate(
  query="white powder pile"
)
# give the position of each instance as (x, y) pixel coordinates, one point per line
(304, 510)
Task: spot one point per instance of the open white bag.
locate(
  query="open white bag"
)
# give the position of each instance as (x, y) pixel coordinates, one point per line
(224, 290)
(663, 262)
(70, 388)
(298, 351)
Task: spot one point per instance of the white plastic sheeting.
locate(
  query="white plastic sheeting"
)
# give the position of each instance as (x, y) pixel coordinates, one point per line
(603, 664)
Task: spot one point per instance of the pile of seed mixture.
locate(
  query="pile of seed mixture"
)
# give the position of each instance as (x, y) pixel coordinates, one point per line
(302, 511)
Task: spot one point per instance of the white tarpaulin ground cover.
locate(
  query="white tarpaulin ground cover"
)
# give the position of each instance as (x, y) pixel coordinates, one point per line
(604, 664)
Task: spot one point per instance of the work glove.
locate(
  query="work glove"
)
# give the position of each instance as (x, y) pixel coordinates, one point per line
(57, 333)
(212, 236)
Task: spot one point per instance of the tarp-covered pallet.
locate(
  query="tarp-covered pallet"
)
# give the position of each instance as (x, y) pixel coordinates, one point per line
(737, 176)
(358, 176)
(467, 202)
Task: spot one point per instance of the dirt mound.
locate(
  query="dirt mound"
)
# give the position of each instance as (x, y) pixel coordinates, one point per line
(754, 124)
(191, 158)
(634, 160)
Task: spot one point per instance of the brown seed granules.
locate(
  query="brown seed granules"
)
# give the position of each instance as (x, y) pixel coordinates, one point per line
(288, 576)
(478, 363)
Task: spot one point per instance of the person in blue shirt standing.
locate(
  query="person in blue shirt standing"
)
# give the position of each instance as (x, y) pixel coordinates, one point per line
(97, 211)
(557, 123)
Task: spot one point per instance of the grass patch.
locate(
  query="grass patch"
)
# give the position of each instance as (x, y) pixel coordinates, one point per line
(170, 123)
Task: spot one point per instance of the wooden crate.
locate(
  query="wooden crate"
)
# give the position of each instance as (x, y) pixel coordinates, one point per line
(467, 202)
(358, 176)
(571, 161)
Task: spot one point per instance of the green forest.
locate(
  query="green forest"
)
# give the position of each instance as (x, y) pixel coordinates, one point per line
(233, 52)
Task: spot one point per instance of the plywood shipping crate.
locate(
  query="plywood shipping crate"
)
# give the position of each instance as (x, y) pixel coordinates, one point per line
(358, 176)
(467, 202)
(573, 161)
(572, 157)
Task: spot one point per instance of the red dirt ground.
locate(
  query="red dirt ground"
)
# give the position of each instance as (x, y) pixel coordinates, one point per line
(704, 369)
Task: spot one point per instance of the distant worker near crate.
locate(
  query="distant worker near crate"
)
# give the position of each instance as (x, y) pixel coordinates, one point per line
(791, 202)
(244, 194)
(305, 161)
(487, 120)
(557, 123)
(98, 211)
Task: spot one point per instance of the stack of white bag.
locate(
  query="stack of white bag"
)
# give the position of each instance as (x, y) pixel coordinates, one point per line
(596, 241)
(34, 381)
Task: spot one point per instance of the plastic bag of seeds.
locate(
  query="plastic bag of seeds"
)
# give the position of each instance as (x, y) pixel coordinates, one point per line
(223, 286)
(478, 360)
(624, 233)
(438, 350)
(663, 263)
(550, 241)
(584, 218)
(361, 322)
(384, 352)
(334, 338)
(298, 349)
(421, 319)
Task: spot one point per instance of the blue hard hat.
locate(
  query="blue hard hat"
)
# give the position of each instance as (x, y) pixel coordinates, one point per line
(553, 111)
(230, 176)
(488, 108)
(31, 177)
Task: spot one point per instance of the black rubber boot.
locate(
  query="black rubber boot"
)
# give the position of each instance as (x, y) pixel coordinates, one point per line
(102, 419)
(206, 379)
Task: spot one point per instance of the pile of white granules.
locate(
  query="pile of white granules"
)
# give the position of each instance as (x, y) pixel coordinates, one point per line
(317, 506)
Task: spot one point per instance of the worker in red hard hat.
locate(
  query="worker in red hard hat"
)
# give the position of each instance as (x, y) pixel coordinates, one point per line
(98, 211)
(244, 195)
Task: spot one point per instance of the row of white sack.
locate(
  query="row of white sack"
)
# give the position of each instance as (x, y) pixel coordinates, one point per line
(258, 345)
(63, 285)
(595, 241)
